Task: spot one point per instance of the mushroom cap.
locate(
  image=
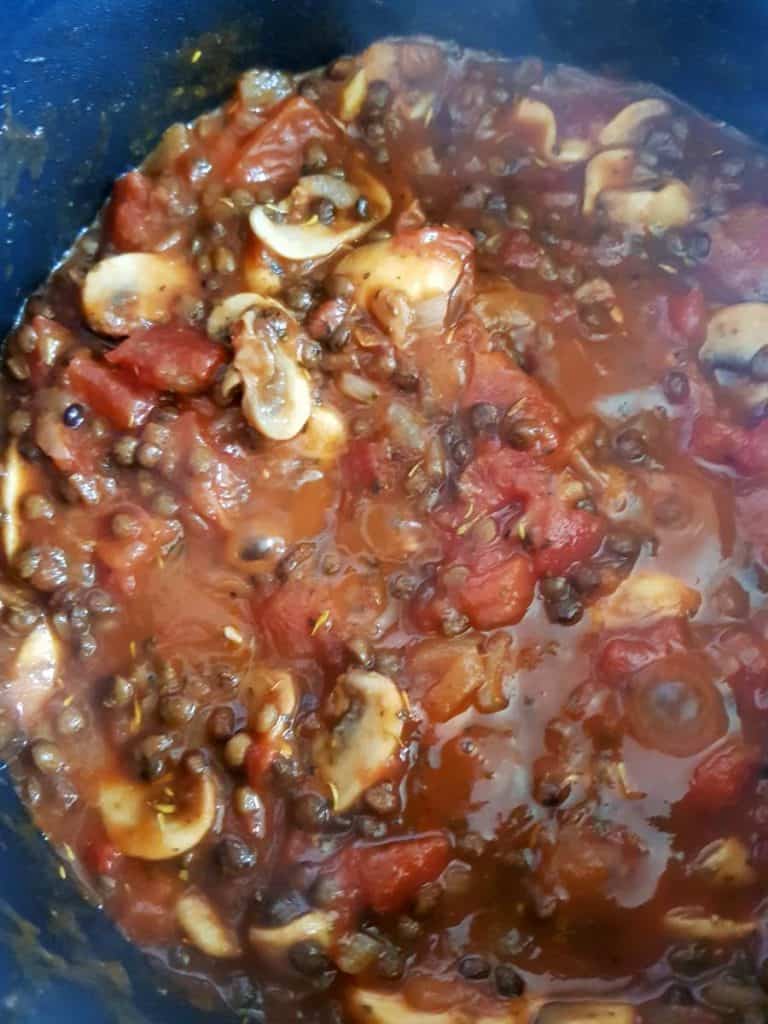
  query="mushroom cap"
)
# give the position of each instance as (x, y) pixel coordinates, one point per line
(204, 928)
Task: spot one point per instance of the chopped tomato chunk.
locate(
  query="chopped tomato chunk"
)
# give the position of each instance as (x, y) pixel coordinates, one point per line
(137, 218)
(744, 450)
(110, 392)
(275, 151)
(391, 874)
(722, 776)
(500, 594)
(168, 358)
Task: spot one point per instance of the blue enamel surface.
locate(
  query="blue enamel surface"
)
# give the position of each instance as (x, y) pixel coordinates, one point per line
(87, 85)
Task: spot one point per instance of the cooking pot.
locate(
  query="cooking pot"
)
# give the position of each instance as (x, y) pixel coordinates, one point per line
(87, 87)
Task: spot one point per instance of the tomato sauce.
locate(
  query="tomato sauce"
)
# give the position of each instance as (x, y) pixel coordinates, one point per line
(383, 602)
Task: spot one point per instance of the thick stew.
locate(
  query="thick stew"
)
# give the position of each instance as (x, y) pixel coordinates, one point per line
(385, 529)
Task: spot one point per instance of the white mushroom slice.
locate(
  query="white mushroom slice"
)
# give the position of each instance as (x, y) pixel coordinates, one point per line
(353, 96)
(587, 1013)
(644, 598)
(274, 944)
(324, 436)
(749, 393)
(670, 206)
(734, 335)
(693, 923)
(143, 822)
(231, 309)
(277, 400)
(368, 1007)
(359, 749)
(609, 169)
(34, 672)
(538, 117)
(204, 928)
(628, 125)
(420, 275)
(309, 239)
(123, 293)
(14, 484)
(724, 862)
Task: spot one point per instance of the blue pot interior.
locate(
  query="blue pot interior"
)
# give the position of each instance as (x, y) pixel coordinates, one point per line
(87, 86)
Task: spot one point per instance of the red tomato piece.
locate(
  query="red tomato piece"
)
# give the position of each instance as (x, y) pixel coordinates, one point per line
(169, 358)
(744, 450)
(496, 379)
(738, 255)
(111, 393)
(275, 151)
(686, 312)
(365, 467)
(561, 536)
(499, 595)
(518, 250)
(721, 778)
(498, 477)
(623, 656)
(101, 857)
(290, 619)
(126, 556)
(137, 217)
(391, 874)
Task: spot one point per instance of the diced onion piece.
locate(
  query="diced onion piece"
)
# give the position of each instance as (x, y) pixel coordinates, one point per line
(420, 275)
(139, 829)
(359, 389)
(610, 169)
(670, 206)
(324, 436)
(274, 688)
(34, 672)
(123, 293)
(311, 239)
(646, 597)
(725, 862)
(233, 307)
(359, 749)
(277, 400)
(353, 96)
(274, 944)
(694, 924)
(538, 117)
(734, 335)
(204, 928)
(367, 1006)
(14, 485)
(627, 127)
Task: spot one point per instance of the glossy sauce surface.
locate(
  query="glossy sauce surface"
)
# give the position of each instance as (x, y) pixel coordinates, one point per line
(383, 615)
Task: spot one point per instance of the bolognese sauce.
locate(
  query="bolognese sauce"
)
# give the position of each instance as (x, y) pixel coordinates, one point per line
(385, 536)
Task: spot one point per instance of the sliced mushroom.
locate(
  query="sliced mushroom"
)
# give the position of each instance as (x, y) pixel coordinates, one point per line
(14, 485)
(204, 928)
(277, 400)
(652, 209)
(358, 750)
(308, 238)
(725, 862)
(231, 309)
(353, 95)
(366, 1006)
(610, 169)
(538, 119)
(747, 392)
(587, 1013)
(422, 275)
(34, 672)
(735, 334)
(695, 924)
(145, 822)
(274, 944)
(123, 293)
(646, 597)
(628, 126)
(324, 436)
